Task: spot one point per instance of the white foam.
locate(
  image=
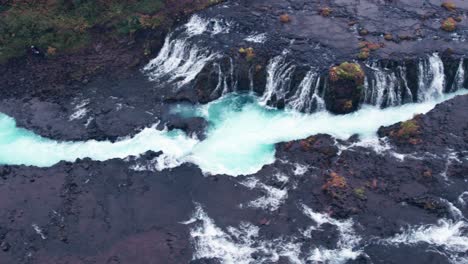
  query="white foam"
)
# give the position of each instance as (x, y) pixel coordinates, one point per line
(211, 241)
(451, 236)
(348, 244)
(273, 198)
(463, 198)
(80, 110)
(39, 231)
(15, 146)
(451, 157)
(456, 213)
(198, 25)
(244, 245)
(257, 38)
(300, 169)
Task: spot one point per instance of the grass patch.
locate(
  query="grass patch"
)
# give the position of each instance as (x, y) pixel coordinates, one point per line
(64, 25)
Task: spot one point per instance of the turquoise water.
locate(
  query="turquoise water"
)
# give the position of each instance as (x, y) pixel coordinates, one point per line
(240, 138)
(22, 147)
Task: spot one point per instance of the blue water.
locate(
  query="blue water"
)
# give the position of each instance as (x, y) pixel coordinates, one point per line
(240, 139)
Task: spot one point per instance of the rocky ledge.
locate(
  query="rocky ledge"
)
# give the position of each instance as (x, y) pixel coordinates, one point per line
(274, 47)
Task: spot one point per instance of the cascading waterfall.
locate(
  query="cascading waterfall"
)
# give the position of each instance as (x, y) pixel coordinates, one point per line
(279, 73)
(431, 78)
(459, 77)
(197, 26)
(409, 98)
(386, 87)
(383, 88)
(227, 81)
(307, 98)
(229, 78)
(180, 60)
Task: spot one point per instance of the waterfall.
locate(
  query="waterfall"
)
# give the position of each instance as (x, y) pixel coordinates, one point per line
(409, 98)
(226, 80)
(307, 96)
(431, 78)
(251, 78)
(180, 59)
(387, 87)
(383, 88)
(197, 26)
(459, 77)
(279, 74)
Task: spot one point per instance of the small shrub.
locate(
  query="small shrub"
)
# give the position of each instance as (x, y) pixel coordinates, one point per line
(366, 48)
(307, 144)
(348, 105)
(249, 53)
(404, 37)
(449, 24)
(364, 54)
(427, 173)
(408, 129)
(325, 11)
(285, 18)
(374, 46)
(450, 6)
(363, 32)
(388, 36)
(51, 51)
(360, 193)
(335, 181)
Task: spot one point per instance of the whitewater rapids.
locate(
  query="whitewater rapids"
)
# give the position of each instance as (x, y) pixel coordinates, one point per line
(240, 138)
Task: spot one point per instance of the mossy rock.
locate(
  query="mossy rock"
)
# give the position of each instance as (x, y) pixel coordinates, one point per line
(347, 71)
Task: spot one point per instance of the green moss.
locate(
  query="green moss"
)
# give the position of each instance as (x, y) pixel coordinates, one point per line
(449, 25)
(408, 129)
(360, 193)
(347, 71)
(364, 54)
